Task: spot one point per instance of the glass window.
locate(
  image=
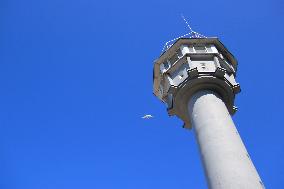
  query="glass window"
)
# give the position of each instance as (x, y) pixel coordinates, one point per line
(166, 65)
(179, 53)
(191, 48)
(200, 49)
(161, 90)
(208, 48)
(174, 58)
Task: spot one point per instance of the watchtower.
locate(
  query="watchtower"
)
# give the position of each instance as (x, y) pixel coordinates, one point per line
(195, 78)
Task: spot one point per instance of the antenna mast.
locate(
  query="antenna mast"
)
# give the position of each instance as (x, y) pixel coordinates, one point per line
(187, 23)
(191, 34)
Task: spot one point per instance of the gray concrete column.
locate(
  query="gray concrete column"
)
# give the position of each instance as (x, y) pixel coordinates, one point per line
(225, 159)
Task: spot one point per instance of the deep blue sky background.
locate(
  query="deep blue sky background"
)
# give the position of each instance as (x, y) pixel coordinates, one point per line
(76, 76)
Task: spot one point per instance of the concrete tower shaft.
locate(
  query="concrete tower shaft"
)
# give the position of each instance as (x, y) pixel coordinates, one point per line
(195, 78)
(225, 159)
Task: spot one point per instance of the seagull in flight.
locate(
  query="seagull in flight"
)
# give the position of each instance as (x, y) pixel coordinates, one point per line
(147, 116)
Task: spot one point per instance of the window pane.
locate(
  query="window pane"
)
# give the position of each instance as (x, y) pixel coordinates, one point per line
(173, 59)
(179, 53)
(200, 49)
(190, 48)
(166, 65)
(208, 48)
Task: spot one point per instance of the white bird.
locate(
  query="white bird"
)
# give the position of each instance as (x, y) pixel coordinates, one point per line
(147, 116)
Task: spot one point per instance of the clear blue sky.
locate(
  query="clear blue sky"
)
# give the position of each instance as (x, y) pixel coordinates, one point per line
(76, 76)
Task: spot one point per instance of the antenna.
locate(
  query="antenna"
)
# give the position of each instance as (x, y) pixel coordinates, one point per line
(191, 34)
(186, 23)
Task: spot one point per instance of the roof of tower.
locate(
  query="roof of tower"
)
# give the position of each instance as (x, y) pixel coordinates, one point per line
(191, 41)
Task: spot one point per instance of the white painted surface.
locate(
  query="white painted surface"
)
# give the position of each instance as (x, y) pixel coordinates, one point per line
(184, 49)
(224, 156)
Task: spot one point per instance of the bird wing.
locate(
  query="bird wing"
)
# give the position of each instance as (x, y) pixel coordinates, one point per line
(148, 116)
